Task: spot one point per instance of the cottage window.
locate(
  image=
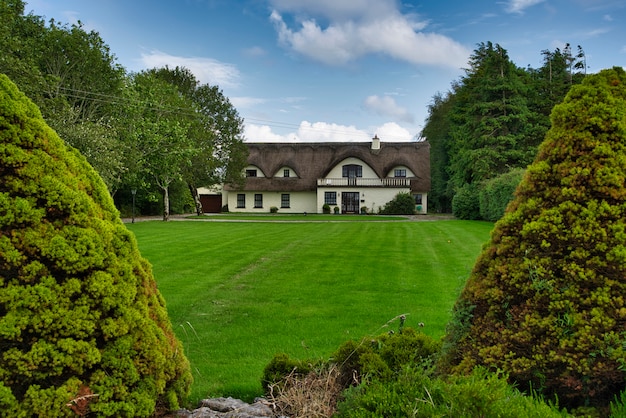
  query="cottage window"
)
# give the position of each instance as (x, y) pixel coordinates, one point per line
(286, 172)
(399, 172)
(258, 200)
(352, 170)
(251, 173)
(241, 200)
(284, 200)
(330, 198)
(418, 199)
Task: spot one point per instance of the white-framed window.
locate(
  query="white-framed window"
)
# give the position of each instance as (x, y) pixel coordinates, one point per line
(330, 198)
(399, 172)
(284, 200)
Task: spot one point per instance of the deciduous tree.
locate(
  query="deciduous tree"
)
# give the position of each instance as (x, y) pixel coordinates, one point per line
(216, 134)
(159, 119)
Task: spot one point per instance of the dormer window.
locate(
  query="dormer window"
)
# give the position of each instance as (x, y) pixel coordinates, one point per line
(399, 172)
(251, 173)
(286, 172)
(352, 171)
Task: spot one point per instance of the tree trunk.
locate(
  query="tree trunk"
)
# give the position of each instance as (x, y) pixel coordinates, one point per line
(196, 199)
(166, 204)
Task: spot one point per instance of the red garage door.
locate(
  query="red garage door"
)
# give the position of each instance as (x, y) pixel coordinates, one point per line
(211, 203)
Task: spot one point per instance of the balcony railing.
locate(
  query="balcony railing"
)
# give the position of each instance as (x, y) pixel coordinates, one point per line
(364, 182)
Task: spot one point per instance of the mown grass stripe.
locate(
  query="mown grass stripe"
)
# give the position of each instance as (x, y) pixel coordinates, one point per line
(237, 293)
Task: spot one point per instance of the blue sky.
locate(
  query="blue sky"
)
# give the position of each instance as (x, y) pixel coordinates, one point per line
(339, 70)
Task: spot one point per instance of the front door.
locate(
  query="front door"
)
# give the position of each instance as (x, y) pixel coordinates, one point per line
(350, 202)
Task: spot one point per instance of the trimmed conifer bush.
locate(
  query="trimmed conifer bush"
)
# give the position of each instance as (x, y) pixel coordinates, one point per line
(83, 327)
(546, 300)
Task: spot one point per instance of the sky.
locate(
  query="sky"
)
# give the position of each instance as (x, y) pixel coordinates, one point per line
(340, 70)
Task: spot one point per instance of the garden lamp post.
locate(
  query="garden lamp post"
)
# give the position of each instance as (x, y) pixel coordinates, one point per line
(134, 192)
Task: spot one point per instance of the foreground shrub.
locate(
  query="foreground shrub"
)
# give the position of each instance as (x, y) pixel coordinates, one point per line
(295, 386)
(415, 393)
(83, 327)
(280, 367)
(385, 355)
(545, 301)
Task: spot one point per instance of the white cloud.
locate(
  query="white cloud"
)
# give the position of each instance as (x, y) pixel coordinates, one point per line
(353, 32)
(330, 132)
(387, 106)
(327, 132)
(261, 133)
(307, 132)
(518, 6)
(207, 70)
(393, 132)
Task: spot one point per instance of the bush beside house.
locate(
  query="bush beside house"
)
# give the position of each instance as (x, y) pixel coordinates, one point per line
(401, 204)
(83, 327)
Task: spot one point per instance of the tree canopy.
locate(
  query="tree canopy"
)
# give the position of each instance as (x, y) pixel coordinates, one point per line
(90, 100)
(492, 121)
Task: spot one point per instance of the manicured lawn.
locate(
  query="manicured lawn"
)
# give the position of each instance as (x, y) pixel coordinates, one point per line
(239, 292)
(297, 217)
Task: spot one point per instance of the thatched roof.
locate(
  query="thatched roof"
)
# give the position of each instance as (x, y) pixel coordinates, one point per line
(312, 161)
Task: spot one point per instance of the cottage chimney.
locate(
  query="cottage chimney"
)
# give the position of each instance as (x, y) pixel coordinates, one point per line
(375, 143)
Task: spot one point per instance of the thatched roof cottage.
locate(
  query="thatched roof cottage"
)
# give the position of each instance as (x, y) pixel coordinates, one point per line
(352, 176)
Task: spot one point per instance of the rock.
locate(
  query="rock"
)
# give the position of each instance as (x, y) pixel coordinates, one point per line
(228, 408)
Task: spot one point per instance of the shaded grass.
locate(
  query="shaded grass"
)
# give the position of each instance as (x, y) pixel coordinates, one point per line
(239, 292)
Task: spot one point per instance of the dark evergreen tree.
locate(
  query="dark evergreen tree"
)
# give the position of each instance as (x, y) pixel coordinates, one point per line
(491, 119)
(437, 132)
(545, 301)
(82, 324)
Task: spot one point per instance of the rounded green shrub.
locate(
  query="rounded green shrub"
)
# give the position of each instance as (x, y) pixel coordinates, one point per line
(385, 355)
(282, 366)
(546, 300)
(401, 204)
(83, 327)
(465, 203)
(496, 193)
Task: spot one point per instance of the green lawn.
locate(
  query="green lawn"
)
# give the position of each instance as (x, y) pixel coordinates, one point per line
(239, 292)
